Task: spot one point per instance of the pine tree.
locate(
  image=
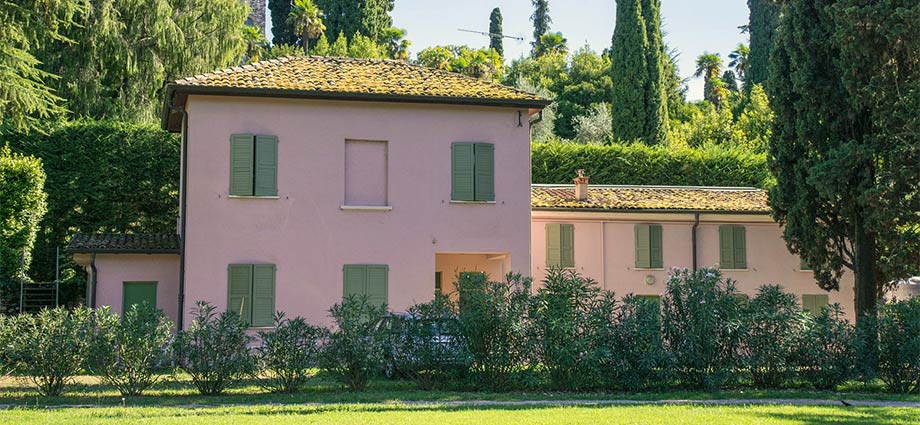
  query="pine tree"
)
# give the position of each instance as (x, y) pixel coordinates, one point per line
(764, 19)
(656, 127)
(541, 21)
(495, 32)
(282, 33)
(629, 71)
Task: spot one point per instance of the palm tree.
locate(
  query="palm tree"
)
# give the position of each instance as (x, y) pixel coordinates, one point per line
(709, 66)
(396, 44)
(551, 43)
(307, 20)
(738, 60)
(255, 44)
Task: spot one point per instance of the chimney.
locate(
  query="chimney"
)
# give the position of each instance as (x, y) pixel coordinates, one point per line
(581, 186)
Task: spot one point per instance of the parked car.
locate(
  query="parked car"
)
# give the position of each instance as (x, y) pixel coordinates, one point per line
(396, 327)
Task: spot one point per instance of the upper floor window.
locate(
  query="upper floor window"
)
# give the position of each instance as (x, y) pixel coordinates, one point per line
(365, 173)
(649, 247)
(253, 165)
(732, 247)
(472, 172)
(560, 245)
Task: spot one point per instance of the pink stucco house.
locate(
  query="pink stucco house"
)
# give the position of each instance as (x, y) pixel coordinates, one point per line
(304, 179)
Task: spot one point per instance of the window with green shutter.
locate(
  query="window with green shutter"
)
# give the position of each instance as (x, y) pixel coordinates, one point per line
(370, 280)
(803, 266)
(814, 303)
(560, 245)
(438, 288)
(136, 293)
(251, 293)
(732, 247)
(649, 247)
(253, 165)
(472, 172)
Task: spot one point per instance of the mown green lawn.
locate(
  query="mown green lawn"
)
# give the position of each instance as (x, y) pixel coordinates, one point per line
(445, 415)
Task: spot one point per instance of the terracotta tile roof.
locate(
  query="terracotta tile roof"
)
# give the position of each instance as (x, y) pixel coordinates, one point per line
(124, 243)
(663, 198)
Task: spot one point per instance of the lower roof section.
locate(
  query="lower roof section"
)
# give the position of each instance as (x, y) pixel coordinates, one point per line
(124, 243)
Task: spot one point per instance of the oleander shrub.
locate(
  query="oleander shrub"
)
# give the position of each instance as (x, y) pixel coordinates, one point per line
(49, 347)
(701, 314)
(630, 348)
(127, 351)
(565, 307)
(496, 329)
(9, 326)
(826, 352)
(774, 323)
(356, 347)
(899, 345)
(289, 353)
(427, 349)
(214, 350)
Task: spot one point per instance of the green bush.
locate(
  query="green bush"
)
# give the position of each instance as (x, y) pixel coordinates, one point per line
(564, 308)
(899, 345)
(23, 205)
(289, 353)
(125, 352)
(702, 326)
(495, 327)
(638, 164)
(50, 347)
(630, 348)
(214, 350)
(774, 323)
(355, 349)
(426, 349)
(826, 353)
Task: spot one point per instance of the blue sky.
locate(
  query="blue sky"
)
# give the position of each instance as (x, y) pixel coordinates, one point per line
(691, 26)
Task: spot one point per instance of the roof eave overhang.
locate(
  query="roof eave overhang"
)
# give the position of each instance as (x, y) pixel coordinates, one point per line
(177, 94)
(122, 251)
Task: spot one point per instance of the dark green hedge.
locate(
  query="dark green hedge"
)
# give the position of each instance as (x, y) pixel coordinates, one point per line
(638, 164)
(102, 176)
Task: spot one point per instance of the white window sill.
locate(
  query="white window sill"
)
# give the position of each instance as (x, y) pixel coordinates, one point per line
(377, 208)
(735, 270)
(471, 202)
(252, 197)
(642, 269)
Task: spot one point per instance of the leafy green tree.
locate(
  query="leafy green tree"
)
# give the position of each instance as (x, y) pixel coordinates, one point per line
(363, 47)
(729, 81)
(485, 64)
(27, 97)
(396, 44)
(124, 51)
(306, 21)
(709, 67)
(541, 21)
(496, 41)
(844, 85)
(754, 127)
(339, 47)
(552, 42)
(282, 50)
(255, 44)
(371, 18)
(22, 181)
(586, 83)
(321, 47)
(762, 24)
(739, 61)
(282, 33)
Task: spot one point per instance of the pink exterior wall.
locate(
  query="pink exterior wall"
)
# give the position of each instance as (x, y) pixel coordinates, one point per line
(605, 251)
(304, 231)
(115, 269)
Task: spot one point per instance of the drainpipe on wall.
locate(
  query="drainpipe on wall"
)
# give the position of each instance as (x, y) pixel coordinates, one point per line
(183, 219)
(94, 280)
(696, 223)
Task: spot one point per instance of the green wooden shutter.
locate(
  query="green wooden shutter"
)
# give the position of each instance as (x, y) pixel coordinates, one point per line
(656, 258)
(438, 287)
(461, 166)
(643, 247)
(726, 247)
(355, 277)
(740, 246)
(803, 266)
(808, 303)
(266, 166)
(484, 171)
(241, 161)
(377, 285)
(567, 245)
(136, 293)
(239, 290)
(263, 295)
(553, 245)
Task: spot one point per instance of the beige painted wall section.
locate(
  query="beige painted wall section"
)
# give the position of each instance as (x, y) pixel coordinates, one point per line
(605, 251)
(451, 265)
(115, 269)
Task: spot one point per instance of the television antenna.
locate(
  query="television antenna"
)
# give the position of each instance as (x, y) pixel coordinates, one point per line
(492, 35)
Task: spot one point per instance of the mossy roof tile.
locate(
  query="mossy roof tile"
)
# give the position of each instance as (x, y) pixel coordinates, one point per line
(651, 198)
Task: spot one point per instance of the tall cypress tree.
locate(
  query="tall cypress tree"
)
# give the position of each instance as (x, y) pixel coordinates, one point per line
(763, 21)
(495, 32)
(629, 71)
(656, 103)
(282, 33)
(540, 19)
(371, 18)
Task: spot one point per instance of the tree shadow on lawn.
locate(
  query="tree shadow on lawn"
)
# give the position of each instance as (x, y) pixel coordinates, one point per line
(826, 415)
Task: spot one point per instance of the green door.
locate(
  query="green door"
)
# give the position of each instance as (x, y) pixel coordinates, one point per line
(138, 293)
